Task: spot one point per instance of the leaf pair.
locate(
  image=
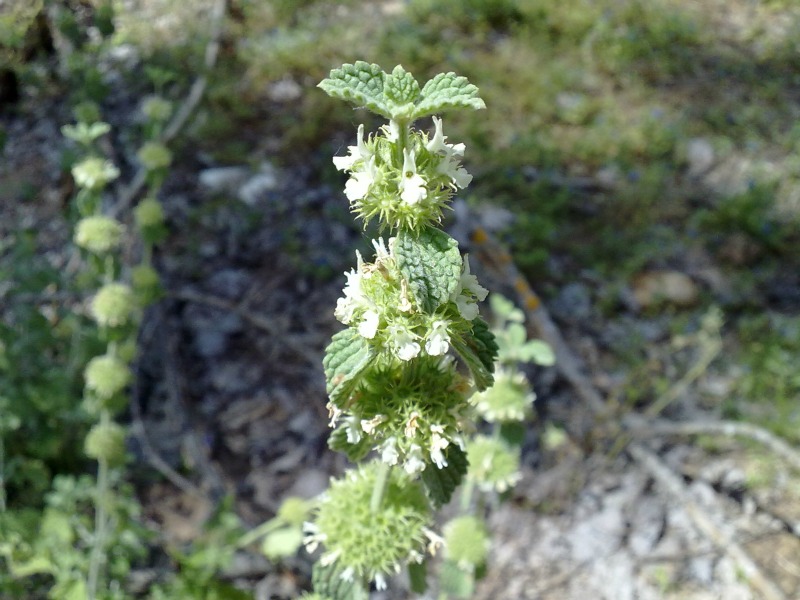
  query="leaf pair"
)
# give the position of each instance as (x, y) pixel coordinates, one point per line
(397, 95)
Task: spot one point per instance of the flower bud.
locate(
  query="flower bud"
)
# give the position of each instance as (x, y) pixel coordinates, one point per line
(94, 173)
(157, 109)
(154, 156)
(106, 375)
(98, 234)
(106, 441)
(466, 541)
(366, 543)
(294, 510)
(509, 399)
(148, 213)
(146, 284)
(493, 466)
(113, 305)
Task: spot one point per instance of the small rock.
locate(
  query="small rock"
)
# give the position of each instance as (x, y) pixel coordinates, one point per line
(254, 189)
(652, 288)
(573, 303)
(223, 180)
(699, 156)
(284, 90)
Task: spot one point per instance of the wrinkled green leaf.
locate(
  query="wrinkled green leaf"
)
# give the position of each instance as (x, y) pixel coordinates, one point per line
(446, 91)
(456, 582)
(431, 263)
(346, 357)
(328, 582)
(361, 84)
(538, 352)
(401, 90)
(417, 575)
(479, 351)
(441, 483)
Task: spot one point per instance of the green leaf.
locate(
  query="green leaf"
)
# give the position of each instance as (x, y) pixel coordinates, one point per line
(401, 90)
(441, 483)
(417, 575)
(37, 565)
(431, 263)
(360, 83)
(456, 582)
(479, 351)
(346, 357)
(446, 91)
(354, 452)
(282, 543)
(538, 352)
(328, 582)
(504, 308)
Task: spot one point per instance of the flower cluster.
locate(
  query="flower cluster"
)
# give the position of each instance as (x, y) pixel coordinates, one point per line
(372, 544)
(378, 302)
(401, 163)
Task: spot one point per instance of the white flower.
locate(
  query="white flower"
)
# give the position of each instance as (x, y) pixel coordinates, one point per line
(438, 342)
(357, 152)
(469, 283)
(369, 325)
(381, 251)
(360, 181)
(392, 131)
(380, 581)
(334, 412)
(412, 185)
(389, 453)
(412, 424)
(403, 341)
(435, 541)
(414, 463)
(353, 430)
(449, 165)
(438, 444)
(369, 425)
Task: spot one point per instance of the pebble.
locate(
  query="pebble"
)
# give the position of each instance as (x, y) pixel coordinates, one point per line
(223, 180)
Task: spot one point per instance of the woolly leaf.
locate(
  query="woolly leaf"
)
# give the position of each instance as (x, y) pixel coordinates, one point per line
(417, 575)
(441, 483)
(479, 351)
(328, 582)
(346, 357)
(401, 91)
(455, 581)
(282, 543)
(446, 91)
(431, 264)
(361, 84)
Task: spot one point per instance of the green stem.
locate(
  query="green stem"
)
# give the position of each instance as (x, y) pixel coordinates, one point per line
(381, 483)
(466, 494)
(260, 531)
(2, 477)
(97, 557)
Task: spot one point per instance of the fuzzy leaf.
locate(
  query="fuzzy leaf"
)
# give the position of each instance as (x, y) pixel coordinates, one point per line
(446, 91)
(337, 442)
(282, 543)
(360, 83)
(455, 581)
(328, 582)
(441, 483)
(417, 575)
(401, 90)
(431, 264)
(479, 351)
(346, 357)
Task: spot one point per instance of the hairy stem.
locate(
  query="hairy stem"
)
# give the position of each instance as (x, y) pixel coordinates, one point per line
(381, 482)
(97, 557)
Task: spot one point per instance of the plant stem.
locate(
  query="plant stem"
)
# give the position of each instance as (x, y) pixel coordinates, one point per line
(381, 482)
(2, 477)
(100, 523)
